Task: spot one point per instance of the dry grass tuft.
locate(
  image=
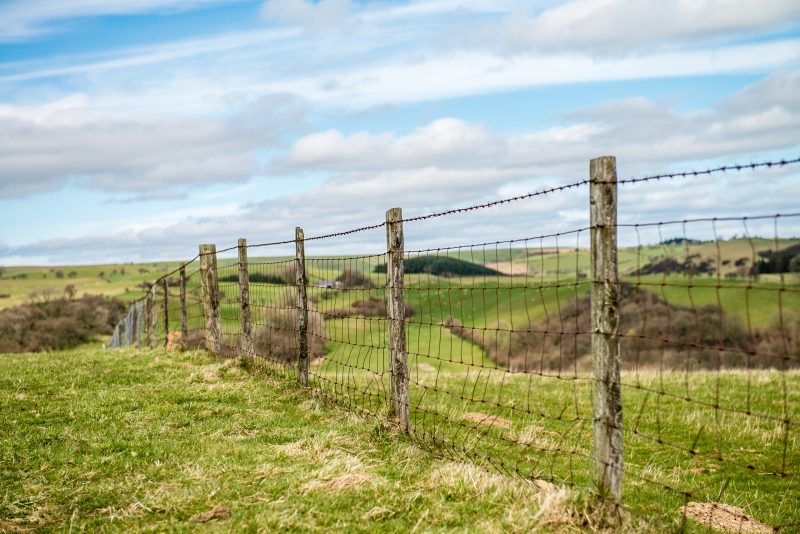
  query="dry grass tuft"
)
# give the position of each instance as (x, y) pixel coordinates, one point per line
(343, 482)
(724, 517)
(474, 479)
(483, 419)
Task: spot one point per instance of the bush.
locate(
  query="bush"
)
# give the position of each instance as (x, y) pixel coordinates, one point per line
(58, 324)
(442, 266)
(351, 278)
(277, 339)
(371, 307)
(287, 277)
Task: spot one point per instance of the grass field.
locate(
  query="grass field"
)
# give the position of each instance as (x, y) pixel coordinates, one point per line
(132, 440)
(709, 436)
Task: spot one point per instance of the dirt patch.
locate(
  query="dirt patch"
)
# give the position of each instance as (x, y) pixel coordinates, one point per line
(724, 517)
(507, 267)
(483, 419)
(218, 512)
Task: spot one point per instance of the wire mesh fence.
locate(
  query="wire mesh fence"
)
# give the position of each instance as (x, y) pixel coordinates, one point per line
(496, 351)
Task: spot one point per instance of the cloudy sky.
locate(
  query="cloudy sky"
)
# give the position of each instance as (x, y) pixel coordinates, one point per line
(134, 130)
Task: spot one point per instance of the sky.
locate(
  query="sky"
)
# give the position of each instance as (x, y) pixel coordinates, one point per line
(134, 130)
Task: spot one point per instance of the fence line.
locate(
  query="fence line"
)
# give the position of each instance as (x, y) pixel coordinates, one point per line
(510, 353)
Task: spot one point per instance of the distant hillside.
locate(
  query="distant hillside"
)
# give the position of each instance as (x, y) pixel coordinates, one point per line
(563, 343)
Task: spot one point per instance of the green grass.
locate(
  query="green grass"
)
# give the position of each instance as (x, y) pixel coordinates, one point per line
(131, 440)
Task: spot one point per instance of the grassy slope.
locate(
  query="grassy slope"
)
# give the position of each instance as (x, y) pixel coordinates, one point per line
(127, 440)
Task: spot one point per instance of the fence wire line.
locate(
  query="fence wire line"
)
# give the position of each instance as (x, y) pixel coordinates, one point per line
(498, 339)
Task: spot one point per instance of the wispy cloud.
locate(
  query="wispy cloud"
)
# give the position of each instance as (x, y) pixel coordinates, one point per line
(622, 28)
(24, 19)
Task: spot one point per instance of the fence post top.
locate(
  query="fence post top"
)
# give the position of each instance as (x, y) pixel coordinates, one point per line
(394, 214)
(242, 242)
(298, 232)
(208, 248)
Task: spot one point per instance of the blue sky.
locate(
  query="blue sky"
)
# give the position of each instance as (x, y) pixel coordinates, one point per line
(133, 130)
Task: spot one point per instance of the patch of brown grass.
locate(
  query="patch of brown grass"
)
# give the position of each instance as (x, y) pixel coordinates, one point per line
(483, 419)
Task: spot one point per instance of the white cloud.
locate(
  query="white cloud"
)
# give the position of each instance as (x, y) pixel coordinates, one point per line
(622, 27)
(445, 142)
(766, 116)
(44, 146)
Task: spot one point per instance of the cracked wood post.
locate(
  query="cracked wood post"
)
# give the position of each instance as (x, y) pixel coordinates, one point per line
(184, 317)
(166, 312)
(396, 313)
(154, 316)
(210, 287)
(244, 302)
(607, 401)
(302, 307)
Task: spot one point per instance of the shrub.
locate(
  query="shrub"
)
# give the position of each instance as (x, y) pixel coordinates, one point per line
(277, 338)
(352, 278)
(371, 307)
(444, 266)
(58, 324)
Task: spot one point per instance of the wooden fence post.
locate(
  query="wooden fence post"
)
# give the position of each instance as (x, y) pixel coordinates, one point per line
(396, 312)
(139, 322)
(166, 311)
(244, 301)
(184, 318)
(154, 317)
(607, 401)
(302, 306)
(146, 322)
(210, 286)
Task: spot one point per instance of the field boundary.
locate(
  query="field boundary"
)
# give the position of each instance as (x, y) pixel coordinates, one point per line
(525, 353)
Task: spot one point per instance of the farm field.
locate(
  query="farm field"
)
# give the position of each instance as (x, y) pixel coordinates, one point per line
(500, 364)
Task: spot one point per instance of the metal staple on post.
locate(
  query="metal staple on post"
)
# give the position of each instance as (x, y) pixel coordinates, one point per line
(244, 301)
(184, 318)
(166, 312)
(607, 402)
(210, 286)
(396, 311)
(302, 307)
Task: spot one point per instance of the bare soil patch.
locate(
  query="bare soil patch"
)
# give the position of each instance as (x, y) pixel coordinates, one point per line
(218, 512)
(724, 517)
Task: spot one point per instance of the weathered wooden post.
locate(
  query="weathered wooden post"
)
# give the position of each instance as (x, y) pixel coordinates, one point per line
(146, 321)
(139, 322)
(244, 302)
(130, 324)
(166, 311)
(184, 318)
(154, 316)
(210, 287)
(396, 314)
(607, 401)
(302, 306)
